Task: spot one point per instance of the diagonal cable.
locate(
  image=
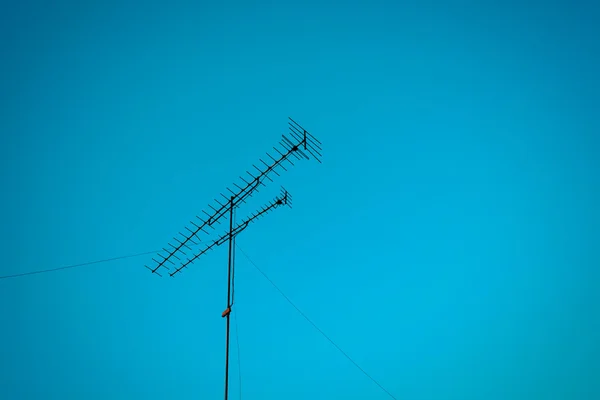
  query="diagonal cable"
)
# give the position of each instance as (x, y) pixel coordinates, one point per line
(314, 325)
(77, 265)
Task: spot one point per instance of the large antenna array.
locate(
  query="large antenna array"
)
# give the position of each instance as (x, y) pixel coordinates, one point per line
(300, 145)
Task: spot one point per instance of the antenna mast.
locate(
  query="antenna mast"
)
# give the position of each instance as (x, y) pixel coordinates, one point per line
(301, 145)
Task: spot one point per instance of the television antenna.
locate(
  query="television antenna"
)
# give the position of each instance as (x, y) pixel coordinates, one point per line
(299, 144)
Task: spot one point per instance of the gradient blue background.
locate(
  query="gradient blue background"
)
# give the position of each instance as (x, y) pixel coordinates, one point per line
(449, 242)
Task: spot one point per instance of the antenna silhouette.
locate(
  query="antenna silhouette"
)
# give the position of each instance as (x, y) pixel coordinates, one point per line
(303, 143)
(299, 145)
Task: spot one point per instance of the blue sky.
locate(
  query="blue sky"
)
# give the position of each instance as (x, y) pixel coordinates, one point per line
(448, 243)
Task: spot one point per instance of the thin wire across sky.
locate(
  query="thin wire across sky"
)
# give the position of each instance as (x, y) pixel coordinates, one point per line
(253, 264)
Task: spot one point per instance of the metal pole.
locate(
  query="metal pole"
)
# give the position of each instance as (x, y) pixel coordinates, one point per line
(228, 310)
